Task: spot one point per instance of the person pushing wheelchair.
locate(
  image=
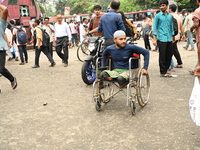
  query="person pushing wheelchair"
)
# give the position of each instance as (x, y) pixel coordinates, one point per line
(121, 52)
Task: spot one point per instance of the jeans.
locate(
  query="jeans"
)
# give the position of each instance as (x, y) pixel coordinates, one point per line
(189, 40)
(165, 56)
(3, 70)
(22, 50)
(62, 44)
(171, 64)
(37, 54)
(146, 42)
(176, 53)
(74, 39)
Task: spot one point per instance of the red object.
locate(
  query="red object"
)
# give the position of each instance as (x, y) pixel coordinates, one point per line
(32, 11)
(25, 2)
(28, 32)
(136, 55)
(14, 11)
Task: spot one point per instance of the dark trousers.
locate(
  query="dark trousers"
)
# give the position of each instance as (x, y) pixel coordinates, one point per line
(165, 56)
(22, 50)
(109, 42)
(146, 42)
(50, 48)
(62, 44)
(176, 53)
(3, 70)
(45, 51)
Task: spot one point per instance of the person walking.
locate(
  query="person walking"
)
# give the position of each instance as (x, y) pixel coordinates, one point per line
(172, 10)
(110, 22)
(163, 35)
(4, 47)
(187, 25)
(39, 46)
(19, 35)
(63, 39)
(50, 30)
(73, 32)
(146, 28)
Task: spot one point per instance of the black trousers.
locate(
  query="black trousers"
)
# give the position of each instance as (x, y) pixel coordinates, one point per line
(45, 51)
(109, 42)
(3, 70)
(165, 56)
(50, 49)
(176, 53)
(146, 42)
(62, 44)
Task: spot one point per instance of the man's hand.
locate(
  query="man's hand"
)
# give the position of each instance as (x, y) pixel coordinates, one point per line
(155, 42)
(38, 47)
(70, 43)
(173, 39)
(192, 28)
(197, 71)
(144, 72)
(135, 36)
(183, 37)
(9, 45)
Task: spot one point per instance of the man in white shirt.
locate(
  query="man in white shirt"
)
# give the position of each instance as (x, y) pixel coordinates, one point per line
(187, 25)
(50, 30)
(63, 39)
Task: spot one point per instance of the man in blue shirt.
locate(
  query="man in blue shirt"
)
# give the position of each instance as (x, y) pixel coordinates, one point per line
(110, 22)
(121, 52)
(4, 47)
(163, 33)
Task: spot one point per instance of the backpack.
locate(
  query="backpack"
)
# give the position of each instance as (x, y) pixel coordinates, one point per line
(45, 37)
(175, 24)
(21, 36)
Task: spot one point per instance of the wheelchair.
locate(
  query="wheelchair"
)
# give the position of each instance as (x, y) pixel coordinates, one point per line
(136, 90)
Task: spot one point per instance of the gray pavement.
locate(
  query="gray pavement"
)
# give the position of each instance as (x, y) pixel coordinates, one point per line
(51, 109)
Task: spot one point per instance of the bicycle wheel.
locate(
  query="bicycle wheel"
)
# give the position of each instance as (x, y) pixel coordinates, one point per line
(82, 52)
(143, 89)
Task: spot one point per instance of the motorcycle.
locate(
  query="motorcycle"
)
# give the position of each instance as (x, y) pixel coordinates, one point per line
(96, 47)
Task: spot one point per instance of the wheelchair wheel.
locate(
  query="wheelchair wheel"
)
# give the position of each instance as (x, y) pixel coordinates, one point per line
(106, 91)
(131, 98)
(143, 89)
(88, 72)
(82, 52)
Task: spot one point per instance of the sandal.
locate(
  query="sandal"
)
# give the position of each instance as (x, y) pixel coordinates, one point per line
(191, 72)
(14, 83)
(167, 75)
(178, 66)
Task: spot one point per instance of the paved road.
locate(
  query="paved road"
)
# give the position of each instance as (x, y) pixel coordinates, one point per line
(52, 110)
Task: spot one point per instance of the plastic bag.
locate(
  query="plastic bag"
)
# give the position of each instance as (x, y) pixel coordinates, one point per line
(194, 102)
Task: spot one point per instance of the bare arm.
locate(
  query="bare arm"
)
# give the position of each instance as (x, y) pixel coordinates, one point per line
(6, 38)
(4, 12)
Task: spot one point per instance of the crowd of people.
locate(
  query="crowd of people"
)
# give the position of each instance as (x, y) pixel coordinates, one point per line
(114, 26)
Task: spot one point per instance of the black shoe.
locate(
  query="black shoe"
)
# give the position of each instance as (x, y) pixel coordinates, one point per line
(14, 84)
(35, 66)
(52, 64)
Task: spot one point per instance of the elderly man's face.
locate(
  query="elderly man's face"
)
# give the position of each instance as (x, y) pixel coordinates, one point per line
(59, 18)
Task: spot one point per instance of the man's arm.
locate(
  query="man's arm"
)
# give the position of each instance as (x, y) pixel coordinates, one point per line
(68, 32)
(4, 12)
(144, 52)
(197, 71)
(6, 38)
(155, 29)
(104, 55)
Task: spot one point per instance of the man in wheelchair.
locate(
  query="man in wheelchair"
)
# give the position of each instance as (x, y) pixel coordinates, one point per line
(120, 53)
